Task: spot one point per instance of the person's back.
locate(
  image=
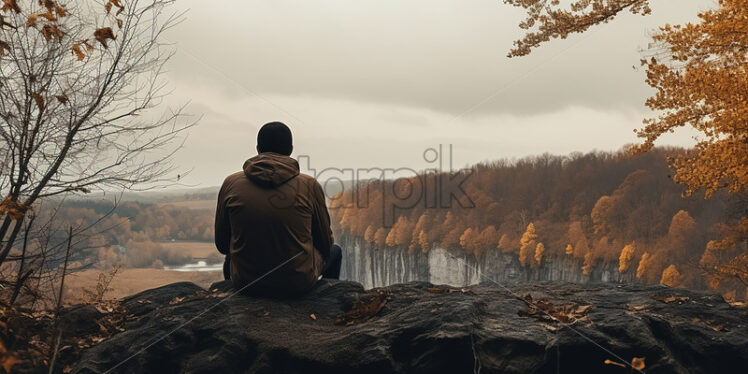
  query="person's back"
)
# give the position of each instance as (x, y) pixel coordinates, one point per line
(272, 222)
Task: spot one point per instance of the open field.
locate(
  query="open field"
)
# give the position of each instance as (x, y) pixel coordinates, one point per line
(195, 249)
(194, 204)
(131, 281)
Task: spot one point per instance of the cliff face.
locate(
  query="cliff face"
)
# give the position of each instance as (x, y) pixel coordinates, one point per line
(418, 328)
(375, 267)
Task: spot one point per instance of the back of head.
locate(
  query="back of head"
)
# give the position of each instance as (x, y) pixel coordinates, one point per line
(275, 137)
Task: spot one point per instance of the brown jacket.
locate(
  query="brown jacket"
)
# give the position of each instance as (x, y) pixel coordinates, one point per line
(267, 214)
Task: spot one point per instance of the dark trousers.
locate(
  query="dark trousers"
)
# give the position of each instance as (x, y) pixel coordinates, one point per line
(330, 269)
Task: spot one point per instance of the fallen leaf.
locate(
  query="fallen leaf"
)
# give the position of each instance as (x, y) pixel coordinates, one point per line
(546, 311)
(313, 317)
(609, 362)
(638, 363)
(176, 300)
(7, 362)
(719, 328)
(266, 314)
(364, 311)
(636, 307)
(672, 299)
(434, 310)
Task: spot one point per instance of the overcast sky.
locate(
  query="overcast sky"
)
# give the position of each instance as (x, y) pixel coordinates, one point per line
(374, 83)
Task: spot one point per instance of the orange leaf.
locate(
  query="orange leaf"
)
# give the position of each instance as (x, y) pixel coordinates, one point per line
(78, 52)
(11, 5)
(61, 11)
(51, 31)
(31, 21)
(39, 100)
(116, 3)
(14, 209)
(48, 15)
(364, 311)
(638, 363)
(609, 362)
(49, 4)
(7, 362)
(103, 34)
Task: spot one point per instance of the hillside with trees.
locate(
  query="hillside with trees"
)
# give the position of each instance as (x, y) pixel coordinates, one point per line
(598, 207)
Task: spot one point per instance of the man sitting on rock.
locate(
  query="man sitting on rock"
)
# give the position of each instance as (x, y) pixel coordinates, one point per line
(272, 223)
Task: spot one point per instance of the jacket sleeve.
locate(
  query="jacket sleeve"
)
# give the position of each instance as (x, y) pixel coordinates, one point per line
(222, 234)
(321, 232)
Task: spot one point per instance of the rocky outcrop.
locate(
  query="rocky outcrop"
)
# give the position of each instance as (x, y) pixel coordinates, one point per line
(417, 328)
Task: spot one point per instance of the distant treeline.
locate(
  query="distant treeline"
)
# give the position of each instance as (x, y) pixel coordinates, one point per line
(129, 232)
(156, 221)
(599, 207)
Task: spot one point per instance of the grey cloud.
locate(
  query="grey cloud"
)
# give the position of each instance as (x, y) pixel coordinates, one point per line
(445, 56)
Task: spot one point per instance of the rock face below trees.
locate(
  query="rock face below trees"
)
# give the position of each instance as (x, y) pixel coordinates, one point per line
(421, 328)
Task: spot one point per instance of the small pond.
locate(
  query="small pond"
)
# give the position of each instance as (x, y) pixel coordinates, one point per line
(196, 266)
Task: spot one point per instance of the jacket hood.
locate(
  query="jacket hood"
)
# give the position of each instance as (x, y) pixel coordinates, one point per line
(270, 169)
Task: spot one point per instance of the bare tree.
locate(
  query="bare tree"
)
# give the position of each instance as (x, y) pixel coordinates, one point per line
(78, 82)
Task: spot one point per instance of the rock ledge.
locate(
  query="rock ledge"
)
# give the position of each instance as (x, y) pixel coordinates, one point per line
(421, 328)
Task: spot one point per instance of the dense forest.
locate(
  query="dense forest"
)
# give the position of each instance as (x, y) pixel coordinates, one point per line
(599, 207)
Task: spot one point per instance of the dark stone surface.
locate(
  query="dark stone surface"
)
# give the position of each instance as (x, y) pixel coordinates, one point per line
(80, 320)
(417, 331)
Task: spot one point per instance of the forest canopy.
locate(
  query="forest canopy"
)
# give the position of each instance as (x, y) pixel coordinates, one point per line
(598, 208)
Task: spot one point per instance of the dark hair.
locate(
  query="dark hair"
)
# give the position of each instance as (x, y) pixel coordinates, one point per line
(275, 137)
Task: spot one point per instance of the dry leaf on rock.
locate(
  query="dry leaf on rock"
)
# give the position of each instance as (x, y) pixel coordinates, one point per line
(364, 311)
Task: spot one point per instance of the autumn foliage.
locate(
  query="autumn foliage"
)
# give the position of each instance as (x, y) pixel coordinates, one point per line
(548, 20)
(598, 209)
(701, 79)
(699, 73)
